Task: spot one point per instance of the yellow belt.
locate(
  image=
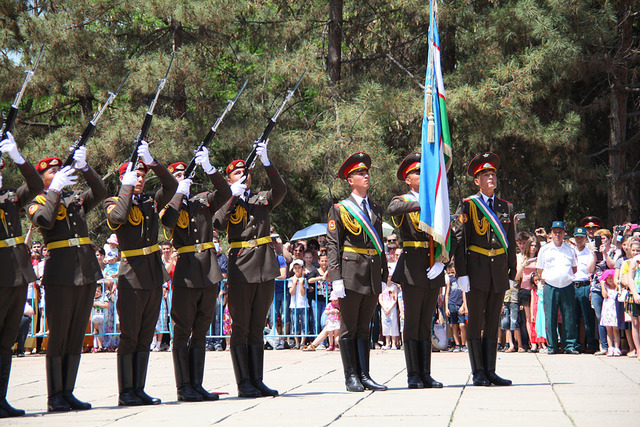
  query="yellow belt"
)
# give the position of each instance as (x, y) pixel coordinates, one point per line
(486, 252)
(199, 247)
(137, 252)
(412, 244)
(14, 241)
(69, 242)
(362, 251)
(251, 243)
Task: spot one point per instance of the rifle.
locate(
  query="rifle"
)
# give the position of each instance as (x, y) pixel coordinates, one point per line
(88, 131)
(251, 159)
(7, 126)
(147, 119)
(190, 171)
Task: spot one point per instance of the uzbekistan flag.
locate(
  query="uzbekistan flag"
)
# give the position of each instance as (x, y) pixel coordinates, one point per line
(436, 150)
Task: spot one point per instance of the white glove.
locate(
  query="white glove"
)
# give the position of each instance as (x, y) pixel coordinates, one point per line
(239, 187)
(130, 177)
(202, 159)
(62, 178)
(338, 288)
(144, 154)
(9, 146)
(261, 151)
(184, 186)
(80, 158)
(463, 282)
(435, 270)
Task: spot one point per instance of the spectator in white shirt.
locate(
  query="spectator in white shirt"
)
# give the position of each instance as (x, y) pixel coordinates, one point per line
(582, 284)
(557, 265)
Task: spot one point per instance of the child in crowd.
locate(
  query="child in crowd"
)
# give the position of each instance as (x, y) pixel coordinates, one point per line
(388, 300)
(609, 316)
(111, 247)
(161, 324)
(298, 303)
(333, 321)
(97, 319)
(634, 287)
(111, 266)
(456, 309)
(227, 322)
(538, 332)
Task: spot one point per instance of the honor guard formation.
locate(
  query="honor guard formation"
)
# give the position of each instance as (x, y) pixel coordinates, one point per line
(490, 282)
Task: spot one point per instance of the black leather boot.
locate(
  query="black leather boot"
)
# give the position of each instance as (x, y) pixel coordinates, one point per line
(413, 365)
(256, 370)
(196, 373)
(489, 355)
(71, 362)
(424, 354)
(362, 346)
(183, 383)
(477, 366)
(126, 395)
(140, 363)
(240, 360)
(55, 396)
(6, 410)
(348, 354)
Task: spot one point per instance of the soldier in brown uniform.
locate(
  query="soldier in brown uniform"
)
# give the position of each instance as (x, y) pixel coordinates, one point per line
(357, 268)
(134, 217)
(485, 259)
(15, 263)
(197, 274)
(421, 281)
(252, 268)
(70, 273)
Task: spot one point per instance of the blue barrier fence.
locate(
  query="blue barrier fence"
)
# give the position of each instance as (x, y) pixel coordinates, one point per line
(287, 316)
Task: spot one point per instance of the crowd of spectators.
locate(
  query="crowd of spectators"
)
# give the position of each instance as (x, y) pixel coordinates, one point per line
(574, 293)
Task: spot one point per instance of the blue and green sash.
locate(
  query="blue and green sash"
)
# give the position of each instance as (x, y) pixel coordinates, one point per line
(493, 219)
(364, 221)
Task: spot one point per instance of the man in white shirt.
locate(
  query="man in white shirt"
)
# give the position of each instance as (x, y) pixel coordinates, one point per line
(582, 285)
(557, 265)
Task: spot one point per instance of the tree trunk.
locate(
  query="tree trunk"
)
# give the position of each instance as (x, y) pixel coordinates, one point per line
(334, 56)
(179, 94)
(619, 190)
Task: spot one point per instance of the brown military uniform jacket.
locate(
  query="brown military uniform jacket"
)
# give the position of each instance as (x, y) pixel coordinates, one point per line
(481, 269)
(361, 273)
(62, 216)
(136, 223)
(413, 263)
(192, 223)
(249, 220)
(15, 261)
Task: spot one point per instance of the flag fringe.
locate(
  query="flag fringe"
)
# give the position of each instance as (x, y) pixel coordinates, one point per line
(441, 240)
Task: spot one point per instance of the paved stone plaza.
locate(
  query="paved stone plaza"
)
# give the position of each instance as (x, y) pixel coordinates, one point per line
(558, 390)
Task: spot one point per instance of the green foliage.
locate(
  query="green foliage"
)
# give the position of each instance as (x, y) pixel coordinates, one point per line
(526, 79)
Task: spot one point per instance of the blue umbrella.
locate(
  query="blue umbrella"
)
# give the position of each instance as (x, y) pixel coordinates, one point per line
(314, 230)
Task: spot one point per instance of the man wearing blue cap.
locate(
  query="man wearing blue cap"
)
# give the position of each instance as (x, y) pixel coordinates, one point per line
(557, 265)
(582, 285)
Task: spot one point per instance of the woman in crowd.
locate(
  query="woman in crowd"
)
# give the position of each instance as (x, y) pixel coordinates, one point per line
(604, 261)
(526, 266)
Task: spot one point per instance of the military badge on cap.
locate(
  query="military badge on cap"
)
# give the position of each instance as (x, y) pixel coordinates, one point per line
(411, 163)
(354, 163)
(177, 167)
(236, 164)
(47, 163)
(483, 162)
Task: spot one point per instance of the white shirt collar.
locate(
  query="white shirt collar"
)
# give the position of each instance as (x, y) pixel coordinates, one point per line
(415, 193)
(486, 198)
(359, 200)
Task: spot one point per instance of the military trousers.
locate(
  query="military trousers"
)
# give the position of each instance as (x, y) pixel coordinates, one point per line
(356, 311)
(138, 310)
(249, 304)
(484, 313)
(12, 300)
(419, 305)
(68, 311)
(192, 310)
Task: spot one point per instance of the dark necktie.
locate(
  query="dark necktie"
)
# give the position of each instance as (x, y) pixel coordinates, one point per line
(365, 209)
(491, 203)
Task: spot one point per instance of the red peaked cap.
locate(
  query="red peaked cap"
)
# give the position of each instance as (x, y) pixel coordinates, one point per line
(353, 163)
(410, 163)
(177, 167)
(139, 166)
(482, 162)
(236, 164)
